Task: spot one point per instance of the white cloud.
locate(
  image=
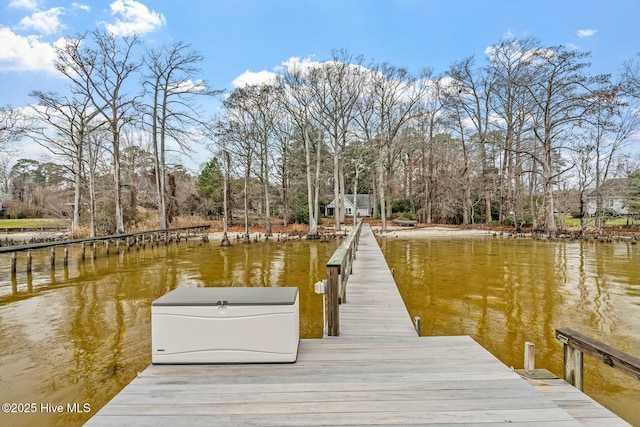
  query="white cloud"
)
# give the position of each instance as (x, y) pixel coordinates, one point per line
(45, 22)
(133, 17)
(188, 86)
(25, 53)
(586, 33)
(81, 6)
(295, 63)
(24, 4)
(249, 78)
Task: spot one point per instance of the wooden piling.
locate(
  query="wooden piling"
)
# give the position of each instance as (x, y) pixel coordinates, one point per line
(65, 261)
(418, 324)
(53, 256)
(14, 263)
(82, 248)
(529, 356)
(94, 250)
(29, 258)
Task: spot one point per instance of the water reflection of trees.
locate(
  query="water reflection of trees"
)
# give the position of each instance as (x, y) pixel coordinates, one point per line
(504, 292)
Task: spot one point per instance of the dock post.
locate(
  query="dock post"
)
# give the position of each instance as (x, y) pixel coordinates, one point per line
(53, 256)
(573, 367)
(95, 250)
(418, 324)
(14, 264)
(333, 310)
(107, 247)
(529, 356)
(29, 261)
(65, 260)
(82, 251)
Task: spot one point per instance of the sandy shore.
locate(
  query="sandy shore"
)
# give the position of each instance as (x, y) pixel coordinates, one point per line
(392, 232)
(412, 232)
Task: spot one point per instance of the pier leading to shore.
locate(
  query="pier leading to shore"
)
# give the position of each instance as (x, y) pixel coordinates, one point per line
(378, 371)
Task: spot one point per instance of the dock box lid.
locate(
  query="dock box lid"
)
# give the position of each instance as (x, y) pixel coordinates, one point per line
(228, 296)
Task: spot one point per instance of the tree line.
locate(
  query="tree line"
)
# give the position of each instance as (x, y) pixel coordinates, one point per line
(491, 139)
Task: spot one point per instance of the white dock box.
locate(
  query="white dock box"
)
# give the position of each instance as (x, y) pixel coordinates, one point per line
(225, 325)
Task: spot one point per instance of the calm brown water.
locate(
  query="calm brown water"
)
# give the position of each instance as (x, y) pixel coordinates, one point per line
(503, 292)
(80, 334)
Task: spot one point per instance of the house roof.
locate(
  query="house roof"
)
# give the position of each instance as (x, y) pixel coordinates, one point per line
(363, 201)
(612, 187)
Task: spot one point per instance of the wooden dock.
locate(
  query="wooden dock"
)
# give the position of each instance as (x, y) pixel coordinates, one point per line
(377, 372)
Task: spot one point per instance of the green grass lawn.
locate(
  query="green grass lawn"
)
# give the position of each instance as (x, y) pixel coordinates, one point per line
(575, 222)
(34, 223)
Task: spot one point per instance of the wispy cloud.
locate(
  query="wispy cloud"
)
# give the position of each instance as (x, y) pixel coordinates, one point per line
(586, 33)
(134, 17)
(81, 6)
(45, 22)
(24, 4)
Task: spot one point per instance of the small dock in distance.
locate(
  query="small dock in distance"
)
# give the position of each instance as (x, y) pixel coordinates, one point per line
(377, 372)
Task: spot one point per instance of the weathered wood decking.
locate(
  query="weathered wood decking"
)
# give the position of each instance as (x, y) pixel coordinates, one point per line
(378, 372)
(374, 306)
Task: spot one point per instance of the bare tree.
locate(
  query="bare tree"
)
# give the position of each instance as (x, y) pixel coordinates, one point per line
(340, 87)
(559, 89)
(299, 87)
(12, 127)
(67, 125)
(471, 93)
(171, 111)
(392, 97)
(431, 123)
(509, 66)
(611, 125)
(630, 78)
(99, 72)
(253, 110)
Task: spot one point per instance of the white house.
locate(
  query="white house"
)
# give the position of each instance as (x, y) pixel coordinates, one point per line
(614, 196)
(363, 206)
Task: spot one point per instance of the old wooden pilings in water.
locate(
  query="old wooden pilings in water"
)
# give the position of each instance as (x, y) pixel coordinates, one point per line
(137, 239)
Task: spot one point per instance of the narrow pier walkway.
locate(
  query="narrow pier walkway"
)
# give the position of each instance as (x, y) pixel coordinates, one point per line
(377, 372)
(374, 306)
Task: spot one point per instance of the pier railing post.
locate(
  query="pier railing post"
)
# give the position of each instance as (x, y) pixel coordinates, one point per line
(332, 294)
(573, 367)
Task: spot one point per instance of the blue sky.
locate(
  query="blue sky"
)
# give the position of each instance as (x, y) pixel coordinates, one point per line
(239, 35)
(236, 36)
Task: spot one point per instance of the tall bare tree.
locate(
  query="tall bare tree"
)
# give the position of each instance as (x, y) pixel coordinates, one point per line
(509, 66)
(99, 64)
(392, 97)
(560, 91)
(611, 125)
(171, 111)
(68, 122)
(341, 86)
(472, 92)
(300, 86)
